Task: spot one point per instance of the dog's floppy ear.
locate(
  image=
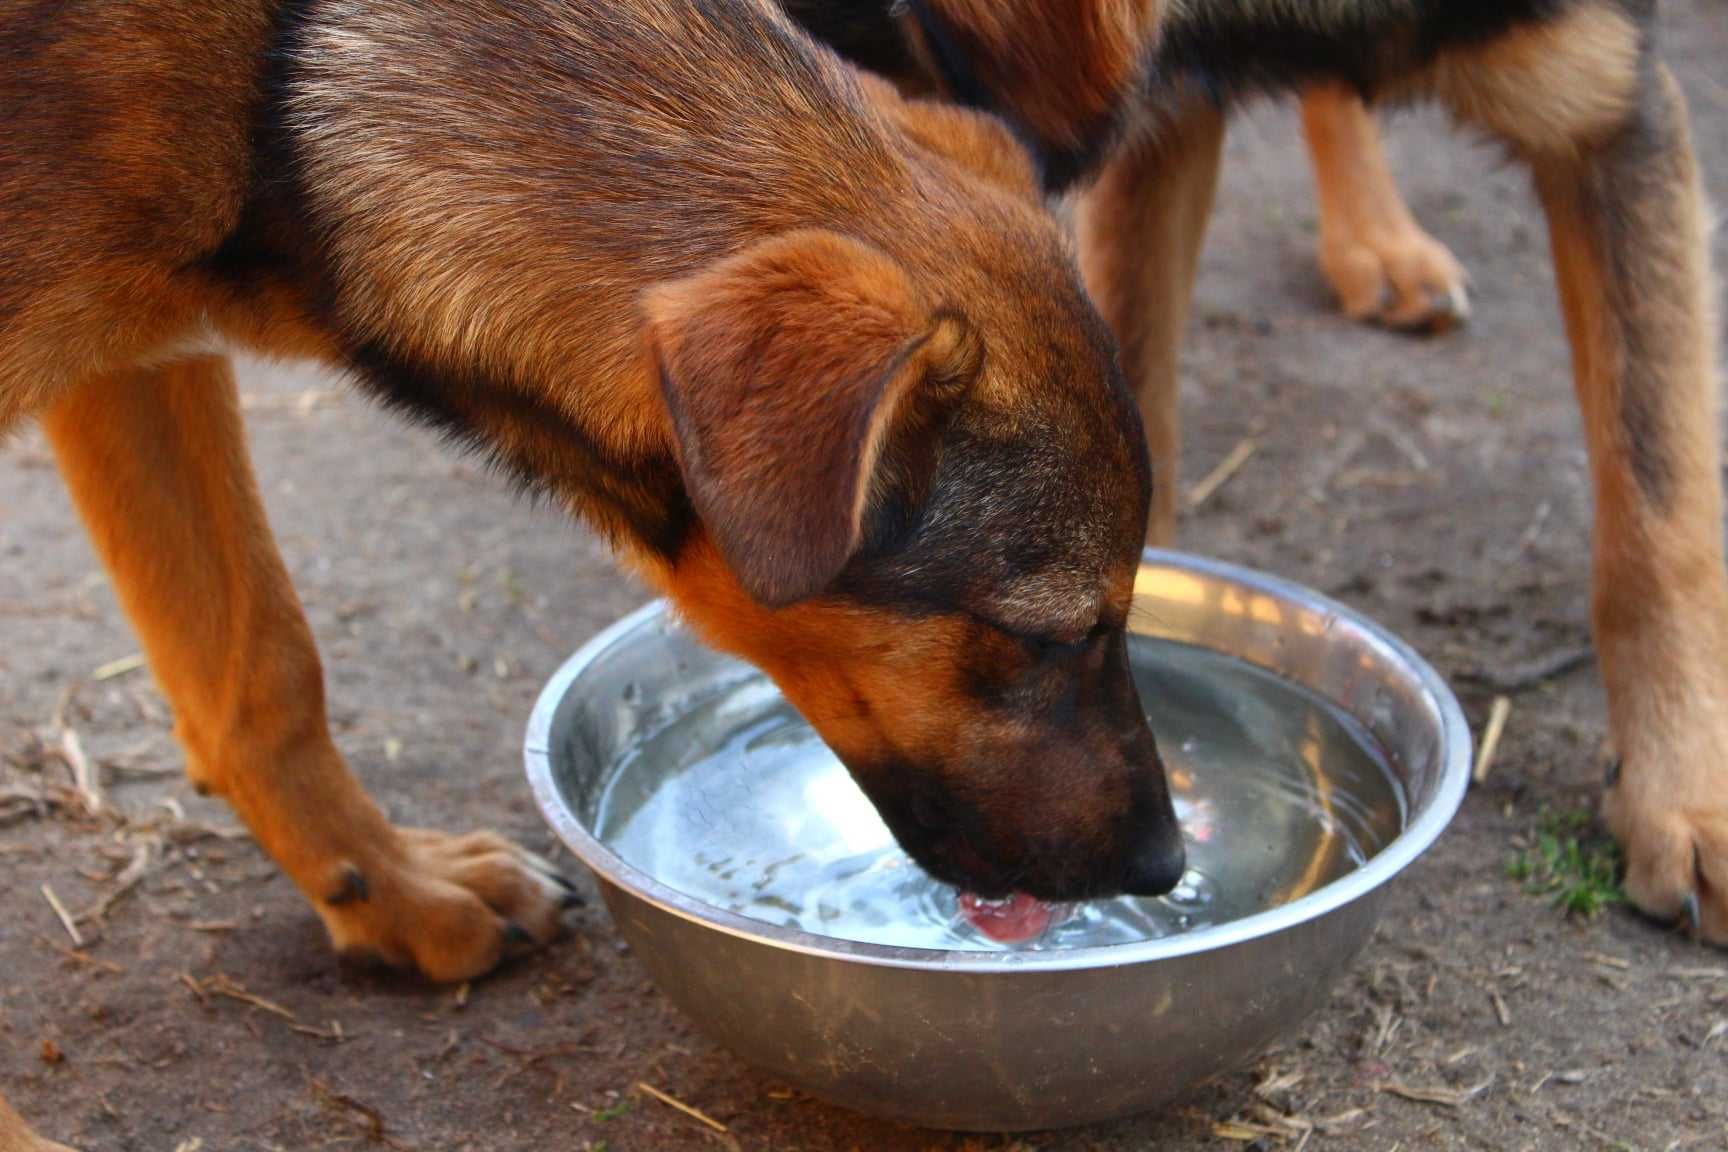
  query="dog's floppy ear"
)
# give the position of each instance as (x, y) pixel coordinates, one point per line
(785, 368)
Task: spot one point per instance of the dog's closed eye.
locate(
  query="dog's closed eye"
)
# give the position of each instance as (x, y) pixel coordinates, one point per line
(1064, 640)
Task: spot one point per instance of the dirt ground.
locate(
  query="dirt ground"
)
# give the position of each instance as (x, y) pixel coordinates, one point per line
(1440, 486)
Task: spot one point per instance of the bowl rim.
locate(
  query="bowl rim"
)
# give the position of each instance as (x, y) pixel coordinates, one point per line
(1417, 837)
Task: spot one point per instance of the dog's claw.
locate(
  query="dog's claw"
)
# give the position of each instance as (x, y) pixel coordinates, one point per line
(517, 938)
(1694, 917)
(1449, 308)
(569, 896)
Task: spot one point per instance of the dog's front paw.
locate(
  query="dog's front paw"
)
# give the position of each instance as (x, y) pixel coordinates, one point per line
(1400, 277)
(1669, 811)
(451, 907)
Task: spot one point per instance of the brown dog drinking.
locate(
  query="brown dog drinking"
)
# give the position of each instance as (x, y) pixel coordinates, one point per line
(813, 356)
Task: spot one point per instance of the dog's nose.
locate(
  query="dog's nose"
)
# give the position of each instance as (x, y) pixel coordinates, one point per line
(1157, 867)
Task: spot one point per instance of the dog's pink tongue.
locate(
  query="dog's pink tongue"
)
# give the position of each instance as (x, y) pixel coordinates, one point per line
(1015, 920)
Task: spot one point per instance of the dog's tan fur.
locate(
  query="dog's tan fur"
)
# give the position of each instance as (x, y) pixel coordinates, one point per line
(1554, 87)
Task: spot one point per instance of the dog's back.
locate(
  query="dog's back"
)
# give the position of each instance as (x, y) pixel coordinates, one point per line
(728, 98)
(1233, 47)
(681, 130)
(129, 149)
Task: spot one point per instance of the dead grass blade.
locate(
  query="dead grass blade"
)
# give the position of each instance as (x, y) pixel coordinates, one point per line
(66, 921)
(1224, 473)
(1501, 713)
(676, 1104)
(1440, 1097)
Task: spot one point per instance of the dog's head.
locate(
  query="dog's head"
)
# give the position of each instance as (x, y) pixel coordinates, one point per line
(922, 490)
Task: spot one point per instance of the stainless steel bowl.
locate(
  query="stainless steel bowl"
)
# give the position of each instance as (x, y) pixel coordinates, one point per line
(992, 1041)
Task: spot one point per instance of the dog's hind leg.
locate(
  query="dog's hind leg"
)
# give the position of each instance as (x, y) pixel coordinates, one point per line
(1382, 265)
(156, 460)
(1605, 129)
(1141, 229)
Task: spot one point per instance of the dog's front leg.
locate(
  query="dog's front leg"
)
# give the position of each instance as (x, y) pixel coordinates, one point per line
(1141, 229)
(157, 463)
(1604, 128)
(1628, 226)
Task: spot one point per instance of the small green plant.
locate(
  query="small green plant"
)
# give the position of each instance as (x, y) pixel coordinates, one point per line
(613, 1111)
(1571, 862)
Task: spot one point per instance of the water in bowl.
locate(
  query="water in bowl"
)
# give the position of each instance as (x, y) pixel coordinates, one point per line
(737, 803)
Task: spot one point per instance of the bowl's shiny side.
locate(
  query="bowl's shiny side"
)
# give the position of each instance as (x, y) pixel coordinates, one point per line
(989, 1051)
(1021, 1040)
(1309, 640)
